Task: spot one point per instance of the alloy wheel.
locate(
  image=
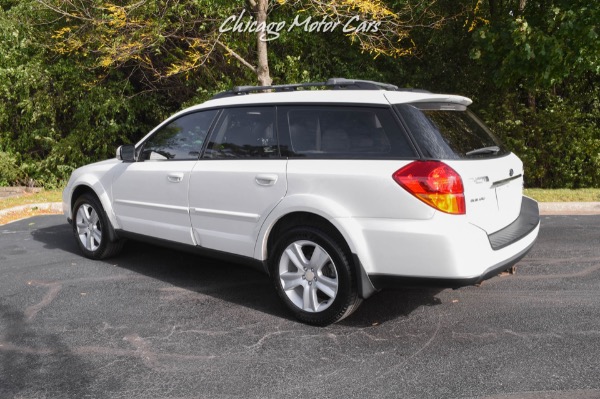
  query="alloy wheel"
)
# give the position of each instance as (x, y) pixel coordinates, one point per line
(89, 228)
(308, 276)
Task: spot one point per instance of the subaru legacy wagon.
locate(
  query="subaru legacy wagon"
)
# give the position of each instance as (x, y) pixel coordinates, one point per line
(335, 189)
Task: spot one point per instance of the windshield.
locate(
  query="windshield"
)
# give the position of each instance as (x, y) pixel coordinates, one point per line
(449, 131)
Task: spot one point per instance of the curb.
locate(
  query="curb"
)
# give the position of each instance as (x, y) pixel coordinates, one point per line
(47, 206)
(569, 208)
(12, 191)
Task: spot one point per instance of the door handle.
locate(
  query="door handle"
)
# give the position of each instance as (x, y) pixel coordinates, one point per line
(266, 179)
(175, 177)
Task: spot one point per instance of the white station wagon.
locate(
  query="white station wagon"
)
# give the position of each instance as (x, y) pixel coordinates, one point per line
(335, 193)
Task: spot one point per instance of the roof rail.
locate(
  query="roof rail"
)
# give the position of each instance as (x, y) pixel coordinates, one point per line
(333, 83)
(357, 84)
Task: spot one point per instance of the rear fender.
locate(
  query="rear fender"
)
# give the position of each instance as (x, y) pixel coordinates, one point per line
(333, 212)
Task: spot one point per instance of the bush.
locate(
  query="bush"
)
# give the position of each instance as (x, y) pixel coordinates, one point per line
(10, 174)
(559, 145)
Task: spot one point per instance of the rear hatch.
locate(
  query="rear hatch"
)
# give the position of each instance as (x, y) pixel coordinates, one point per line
(493, 190)
(492, 176)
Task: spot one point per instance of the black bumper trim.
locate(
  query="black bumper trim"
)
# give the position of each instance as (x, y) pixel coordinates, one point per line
(528, 219)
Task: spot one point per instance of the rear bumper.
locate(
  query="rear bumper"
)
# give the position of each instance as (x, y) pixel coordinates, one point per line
(444, 251)
(380, 281)
(528, 220)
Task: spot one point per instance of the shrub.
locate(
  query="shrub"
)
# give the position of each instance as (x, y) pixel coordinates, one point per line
(559, 145)
(10, 174)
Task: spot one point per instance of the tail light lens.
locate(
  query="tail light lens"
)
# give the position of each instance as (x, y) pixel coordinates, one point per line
(434, 183)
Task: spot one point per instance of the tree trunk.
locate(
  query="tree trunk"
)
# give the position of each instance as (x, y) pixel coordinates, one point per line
(262, 70)
(493, 9)
(531, 101)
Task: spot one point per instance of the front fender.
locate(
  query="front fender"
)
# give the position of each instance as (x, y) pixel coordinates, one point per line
(97, 178)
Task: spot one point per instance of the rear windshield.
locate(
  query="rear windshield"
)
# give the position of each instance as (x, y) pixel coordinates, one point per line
(449, 131)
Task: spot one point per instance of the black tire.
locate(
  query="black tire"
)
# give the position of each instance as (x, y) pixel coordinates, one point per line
(91, 229)
(313, 276)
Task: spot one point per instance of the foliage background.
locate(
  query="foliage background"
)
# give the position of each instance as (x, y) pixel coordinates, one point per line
(76, 83)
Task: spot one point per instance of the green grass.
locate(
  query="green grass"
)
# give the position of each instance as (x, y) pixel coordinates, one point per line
(32, 198)
(564, 195)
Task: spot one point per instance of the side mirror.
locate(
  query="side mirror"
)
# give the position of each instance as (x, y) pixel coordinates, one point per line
(126, 153)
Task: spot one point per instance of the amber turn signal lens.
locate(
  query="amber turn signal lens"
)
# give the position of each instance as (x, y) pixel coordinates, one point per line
(435, 183)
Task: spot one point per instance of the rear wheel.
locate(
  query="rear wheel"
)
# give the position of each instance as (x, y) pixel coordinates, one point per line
(313, 276)
(90, 227)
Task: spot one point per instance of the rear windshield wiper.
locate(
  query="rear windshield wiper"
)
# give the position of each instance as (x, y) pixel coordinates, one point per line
(485, 150)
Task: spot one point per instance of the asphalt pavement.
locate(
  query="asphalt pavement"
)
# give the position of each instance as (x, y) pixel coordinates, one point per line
(155, 323)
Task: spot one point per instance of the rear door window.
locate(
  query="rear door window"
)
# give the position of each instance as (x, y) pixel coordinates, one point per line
(342, 132)
(243, 133)
(449, 131)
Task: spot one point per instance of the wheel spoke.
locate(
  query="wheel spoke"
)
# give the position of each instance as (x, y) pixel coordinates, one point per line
(310, 300)
(93, 216)
(319, 258)
(97, 235)
(291, 280)
(296, 256)
(89, 241)
(81, 227)
(327, 286)
(82, 214)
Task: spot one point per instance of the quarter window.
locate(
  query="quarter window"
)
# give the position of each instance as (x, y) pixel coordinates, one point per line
(244, 133)
(181, 139)
(344, 132)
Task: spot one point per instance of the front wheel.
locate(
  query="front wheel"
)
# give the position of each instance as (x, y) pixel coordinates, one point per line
(90, 227)
(313, 276)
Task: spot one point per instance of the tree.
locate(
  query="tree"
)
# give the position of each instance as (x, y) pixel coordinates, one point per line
(542, 66)
(260, 7)
(161, 39)
(77, 78)
(51, 119)
(539, 46)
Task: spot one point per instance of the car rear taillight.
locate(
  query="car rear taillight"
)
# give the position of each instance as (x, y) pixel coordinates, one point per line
(434, 183)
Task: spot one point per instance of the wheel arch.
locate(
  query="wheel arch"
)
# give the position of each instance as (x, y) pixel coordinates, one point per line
(329, 226)
(84, 188)
(300, 218)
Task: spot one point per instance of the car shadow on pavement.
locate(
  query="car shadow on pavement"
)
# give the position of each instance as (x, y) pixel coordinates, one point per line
(32, 360)
(391, 305)
(232, 282)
